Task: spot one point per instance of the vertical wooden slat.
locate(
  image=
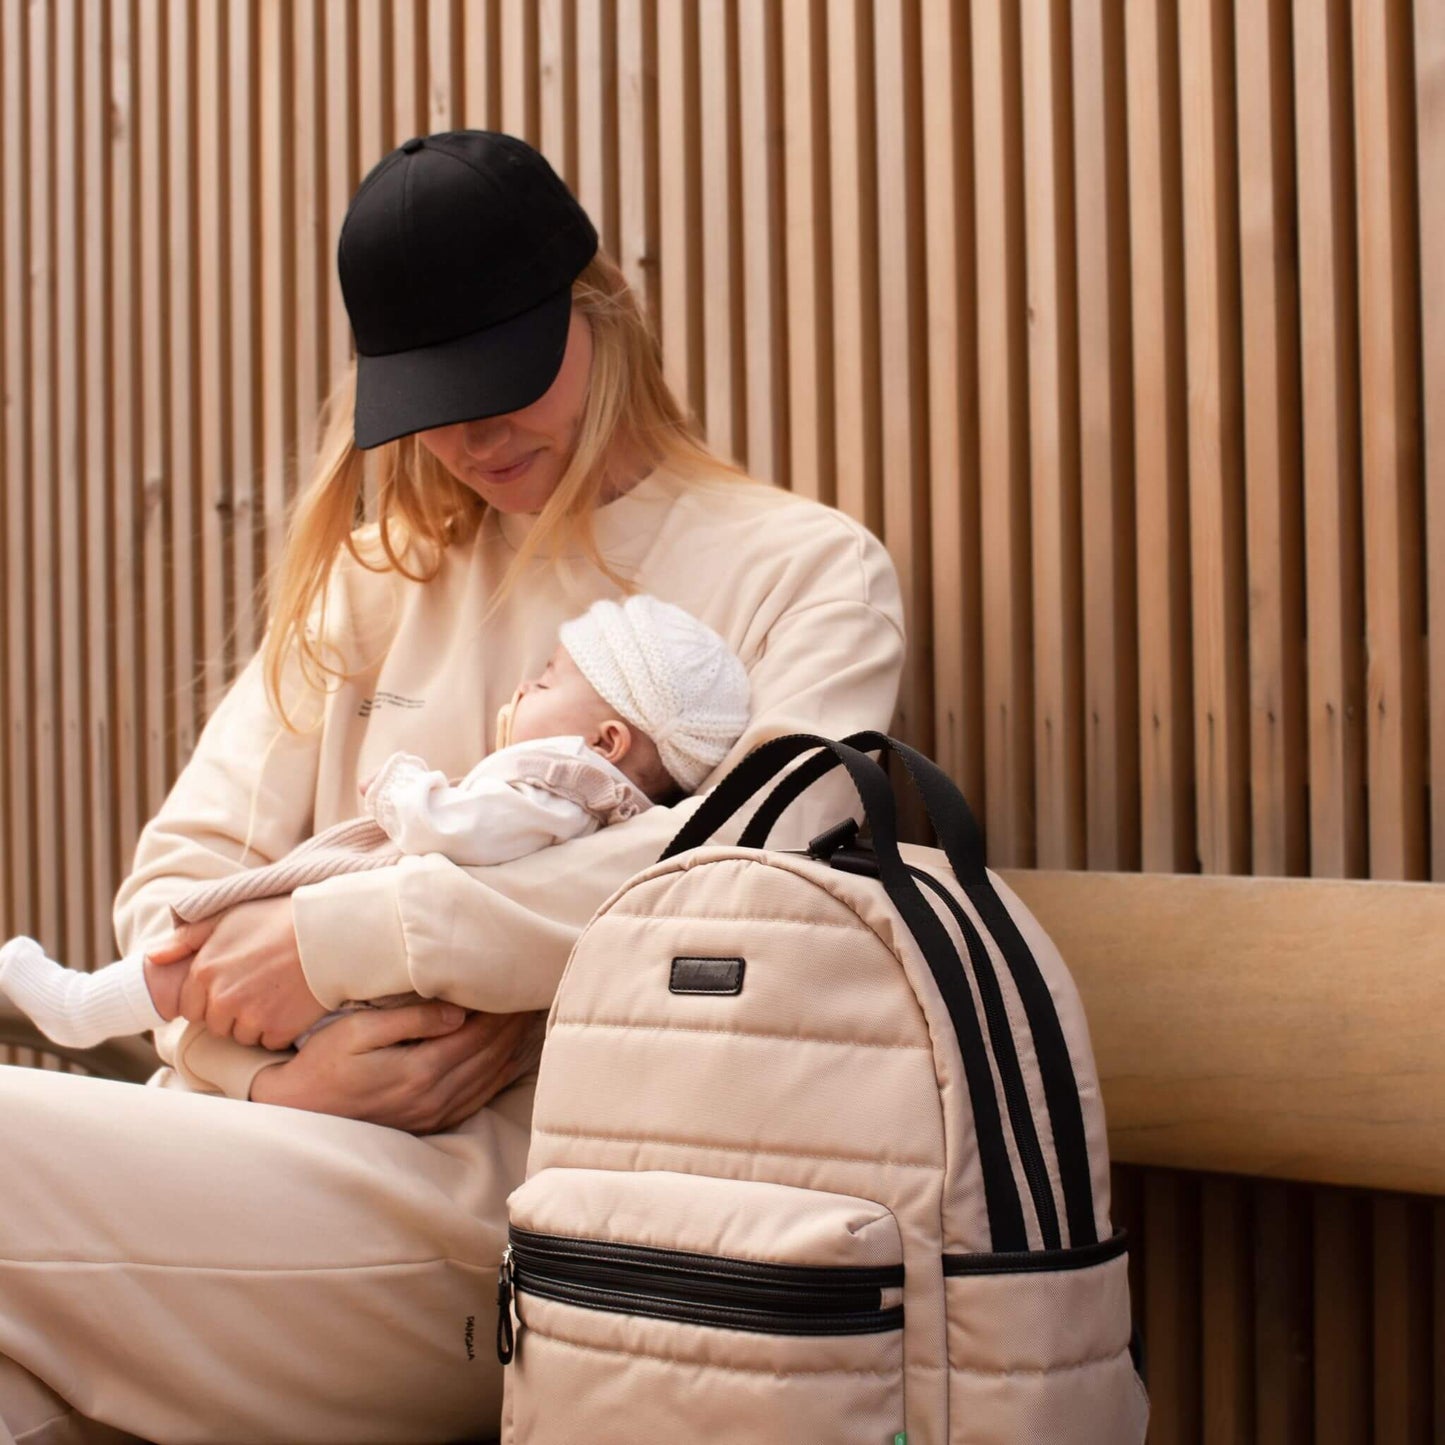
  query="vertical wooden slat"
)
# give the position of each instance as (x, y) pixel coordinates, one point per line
(765, 330)
(853, 190)
(407, 59)
(721, 278)
(637, 150)
(182, 479)
(97, 513)
(1437, 1296)
(482, 68)
(1430, 93)
(952, 396)
(1227, 1319)
(375, 82)
(158, 654)
(9, 824)
(1271, 361)
(1160, 440)
(313, 248)
(1172, 1307)
(245, 302)
(1281, 1240)
(1216, 519)
(446, 56)
(679, 205)
(70, 791)
(42, 582)
(557, 91)
(342, 175)
(20, 501)
(811, 459)
(1403, 1406)
(213, 373)
(903, 353)
(1342, 1319)
(276, 241)
(125, 424)
(1057, 643)
(1106, 471)
(596, 121)
(1389, 404)
(521, 99)
(1329, 355)
(1003, 436)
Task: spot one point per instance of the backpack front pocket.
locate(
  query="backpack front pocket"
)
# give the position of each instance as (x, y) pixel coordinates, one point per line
(661, 1306)
(1039, 1348)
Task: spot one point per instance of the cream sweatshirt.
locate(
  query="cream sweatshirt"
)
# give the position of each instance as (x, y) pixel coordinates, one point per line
(805, 596)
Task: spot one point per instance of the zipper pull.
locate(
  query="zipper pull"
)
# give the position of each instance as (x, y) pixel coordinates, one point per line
(506, 1340)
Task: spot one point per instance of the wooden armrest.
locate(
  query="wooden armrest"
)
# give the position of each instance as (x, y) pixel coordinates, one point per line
(1293, 1028)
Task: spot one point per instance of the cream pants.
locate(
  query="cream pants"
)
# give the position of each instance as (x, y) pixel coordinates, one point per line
(185, 1268)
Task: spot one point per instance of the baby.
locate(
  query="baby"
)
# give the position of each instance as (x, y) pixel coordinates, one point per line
(639, 700)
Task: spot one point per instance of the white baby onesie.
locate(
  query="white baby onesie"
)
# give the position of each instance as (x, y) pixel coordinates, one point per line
(521, 798)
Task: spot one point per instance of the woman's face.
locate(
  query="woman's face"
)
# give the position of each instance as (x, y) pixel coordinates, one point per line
(514, 461)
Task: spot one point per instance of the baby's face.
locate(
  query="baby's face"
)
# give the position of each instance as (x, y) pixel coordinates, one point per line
(558, 702)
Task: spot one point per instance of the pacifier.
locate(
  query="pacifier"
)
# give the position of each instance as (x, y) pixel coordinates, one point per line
(505, 715)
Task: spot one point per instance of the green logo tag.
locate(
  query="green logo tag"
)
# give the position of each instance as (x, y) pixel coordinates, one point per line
(901, 1438)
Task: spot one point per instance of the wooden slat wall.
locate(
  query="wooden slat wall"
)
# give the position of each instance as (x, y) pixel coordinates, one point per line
(1113, 317)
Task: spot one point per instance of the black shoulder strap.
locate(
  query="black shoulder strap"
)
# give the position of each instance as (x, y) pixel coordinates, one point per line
(961, 839)
(1005, 1211)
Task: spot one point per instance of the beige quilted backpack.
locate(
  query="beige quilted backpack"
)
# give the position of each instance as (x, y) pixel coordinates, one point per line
(818, 1153)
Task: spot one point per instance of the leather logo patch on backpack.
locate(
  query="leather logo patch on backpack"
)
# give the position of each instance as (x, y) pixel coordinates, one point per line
(707, 975)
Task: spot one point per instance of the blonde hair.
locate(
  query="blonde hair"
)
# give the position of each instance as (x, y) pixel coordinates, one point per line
(418, 508)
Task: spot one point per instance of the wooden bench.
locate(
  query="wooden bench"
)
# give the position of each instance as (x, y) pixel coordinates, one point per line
(1283, 1028)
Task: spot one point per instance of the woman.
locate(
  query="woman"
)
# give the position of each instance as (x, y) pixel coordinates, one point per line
(180, 1266)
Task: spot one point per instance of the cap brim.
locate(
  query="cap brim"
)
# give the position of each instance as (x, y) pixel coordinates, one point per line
(501, 369)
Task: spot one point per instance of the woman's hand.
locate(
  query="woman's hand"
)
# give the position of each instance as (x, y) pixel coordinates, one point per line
(245, 977)
(423, 1067)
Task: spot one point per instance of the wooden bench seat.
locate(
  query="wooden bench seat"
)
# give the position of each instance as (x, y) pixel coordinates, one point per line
(1287, 1028)
(1284, 1028)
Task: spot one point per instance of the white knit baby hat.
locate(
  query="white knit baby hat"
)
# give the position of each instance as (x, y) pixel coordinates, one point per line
(666, 673)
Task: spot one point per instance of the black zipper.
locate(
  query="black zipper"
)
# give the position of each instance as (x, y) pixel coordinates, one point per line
(1038, 1261)
(1016, 1098)
(699, 1289)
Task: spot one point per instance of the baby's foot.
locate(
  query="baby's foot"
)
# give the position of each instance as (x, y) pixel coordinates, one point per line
(74, 1009)
(15, 951)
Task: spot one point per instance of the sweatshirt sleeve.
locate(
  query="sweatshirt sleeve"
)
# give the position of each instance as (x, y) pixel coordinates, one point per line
(242, 800)
(498, 939)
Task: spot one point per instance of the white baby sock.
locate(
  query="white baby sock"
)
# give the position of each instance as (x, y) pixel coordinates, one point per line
(77, 1010)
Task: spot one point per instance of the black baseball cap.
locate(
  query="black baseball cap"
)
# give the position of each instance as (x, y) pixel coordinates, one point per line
(457, 258)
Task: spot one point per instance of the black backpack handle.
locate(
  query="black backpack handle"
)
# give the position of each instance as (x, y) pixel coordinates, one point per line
(759, 769)
(953, 821)
(954, 824)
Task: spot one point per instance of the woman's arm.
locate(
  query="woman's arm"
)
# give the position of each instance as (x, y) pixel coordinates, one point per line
(497, 939)
(423, 1067)
(243, 799)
